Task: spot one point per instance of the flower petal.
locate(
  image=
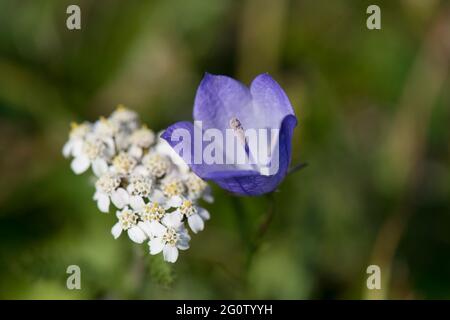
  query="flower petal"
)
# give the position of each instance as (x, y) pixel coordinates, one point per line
(220, 98)
(120, 198)
(156, 229)
(99, 166)
(158, 196)
(183, 244)
(145, 226)
(174, 202)
(176, 134)
(80, 164)
(116, 230)
(103, 202)
(136, 202)
(196, 223)
(77, 147)
(270, 101)
(203, 213)
(173, 220)
(67, 149)
(136, 234)
(156, 245)
(170, 253)
(135, 151)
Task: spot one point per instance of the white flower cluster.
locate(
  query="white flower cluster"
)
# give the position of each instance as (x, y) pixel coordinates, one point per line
(141, 175)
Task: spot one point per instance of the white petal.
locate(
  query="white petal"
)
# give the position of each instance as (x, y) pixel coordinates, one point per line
(77, 147)
(184, 235)
(136, 234)
(99, 166)
(170, 253)
(157, 229)
(140, 170)
(136, 202)
(80, 164)
(183, 244)
(110, 146)
(196, 223)
(135, 151)
(156, 245)
(116, 230)
(183, 241)
(203, 213)
(158, 196)
(173, 219)
(120, 198)
(145, 226)
(174, 202)
(207, 196)
(67, 149)
(103, 202)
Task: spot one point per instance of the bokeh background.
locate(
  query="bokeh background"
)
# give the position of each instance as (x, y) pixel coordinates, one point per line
(373, 109)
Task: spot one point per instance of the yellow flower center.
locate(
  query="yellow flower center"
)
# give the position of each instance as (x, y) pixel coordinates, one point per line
(124, 163)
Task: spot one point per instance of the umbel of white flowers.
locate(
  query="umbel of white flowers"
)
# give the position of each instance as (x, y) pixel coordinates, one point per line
(155, 192)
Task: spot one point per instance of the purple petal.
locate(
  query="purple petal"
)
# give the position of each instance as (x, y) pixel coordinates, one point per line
(205, 171)
(219, 99)
(271, 101)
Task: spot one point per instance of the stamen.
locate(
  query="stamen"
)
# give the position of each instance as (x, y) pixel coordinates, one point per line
(238, 129)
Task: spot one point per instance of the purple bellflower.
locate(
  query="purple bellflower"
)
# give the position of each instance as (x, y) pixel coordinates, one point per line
(223, 104)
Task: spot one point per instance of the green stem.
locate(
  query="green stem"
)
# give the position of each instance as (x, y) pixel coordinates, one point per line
(252, 243)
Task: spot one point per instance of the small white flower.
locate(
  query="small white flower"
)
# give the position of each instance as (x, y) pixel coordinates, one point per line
(163, 147)
(197, 188)
(194, 214)
(141, 140)
(139, 187)
(128, 221)
(76, 137)
(156, 165)
(168, 237)
(172, 186)
(107, 186)
(150, 212)
(123, 163)
(153, 188)
(170, 193)
(104, 128)
(93, 152)
(124, 118)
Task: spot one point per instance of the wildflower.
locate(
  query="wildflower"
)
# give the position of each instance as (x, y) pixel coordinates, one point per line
(107, 186)
(168, 236)
(128, 221)
(123, 163)
(197, 188)
(139, 187)
(154, 195)
(194, 214)
(164, 148)
(223, 103)
(93, 152)
(76, 137)
(157, 165)
(124, 118)
(141, 140)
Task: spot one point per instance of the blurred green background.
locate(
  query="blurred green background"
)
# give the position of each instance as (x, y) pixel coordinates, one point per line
(373, 109)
